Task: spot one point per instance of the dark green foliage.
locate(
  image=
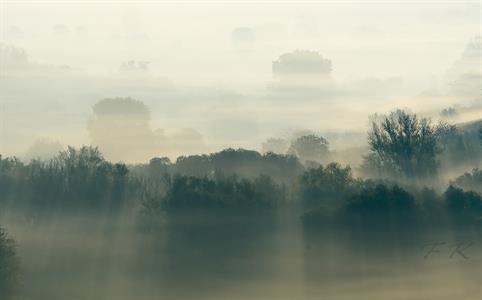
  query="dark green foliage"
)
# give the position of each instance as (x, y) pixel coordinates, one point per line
(8, 266)
(464, 206)
(323, 185)
(245, 163)
(73, 179)
(379, 205)
(10, 170)
(402, 144)
(470, 181)
(381, 201)
(126, 107)
(187, 194)
(480, 136)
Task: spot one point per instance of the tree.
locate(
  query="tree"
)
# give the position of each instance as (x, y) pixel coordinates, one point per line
(120, 127)
(188, 195)
(390, 205)
(320, 185)
(464, 206)
(470, 181)
(403, 144)
(275, 145)
(8, 265)
(310, 148)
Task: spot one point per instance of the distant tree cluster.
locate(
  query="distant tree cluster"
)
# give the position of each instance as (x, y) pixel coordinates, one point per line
(301, 62)
(187, 194)
(449, 112)
(308, 147)
(245, 163)
(120, 127)
(404, 149)
(470, 181)
(383, 205)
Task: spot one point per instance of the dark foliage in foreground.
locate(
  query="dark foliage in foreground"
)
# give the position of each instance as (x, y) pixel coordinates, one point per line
(8, 265)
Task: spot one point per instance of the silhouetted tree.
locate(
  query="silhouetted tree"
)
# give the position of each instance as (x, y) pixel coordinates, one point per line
(323, 185)
(403, 144)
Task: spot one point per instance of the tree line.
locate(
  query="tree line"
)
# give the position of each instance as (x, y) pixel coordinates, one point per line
(406, 152)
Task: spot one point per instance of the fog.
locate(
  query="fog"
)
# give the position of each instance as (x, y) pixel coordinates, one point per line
(198, 65)
(240, 150)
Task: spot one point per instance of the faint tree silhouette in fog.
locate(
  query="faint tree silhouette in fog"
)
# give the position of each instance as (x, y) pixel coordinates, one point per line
(44, 149)
(275, 145)
(300, 72)
(402, 144)
(301, 62)
(470, 181)
(120, 127)
(8, 266)
(310, 148)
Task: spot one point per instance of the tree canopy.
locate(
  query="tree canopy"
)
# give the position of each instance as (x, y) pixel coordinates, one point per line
(403, 145)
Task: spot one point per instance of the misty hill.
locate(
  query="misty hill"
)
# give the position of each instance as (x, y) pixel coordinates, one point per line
(471, 128)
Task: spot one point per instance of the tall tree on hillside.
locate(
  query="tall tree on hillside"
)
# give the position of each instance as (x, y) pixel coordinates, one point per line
(402, 144)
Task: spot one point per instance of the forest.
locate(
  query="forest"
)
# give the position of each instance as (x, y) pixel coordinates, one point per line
(232, 203)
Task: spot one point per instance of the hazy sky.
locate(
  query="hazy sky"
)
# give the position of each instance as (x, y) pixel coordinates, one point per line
(217, 74)
(194, 39)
